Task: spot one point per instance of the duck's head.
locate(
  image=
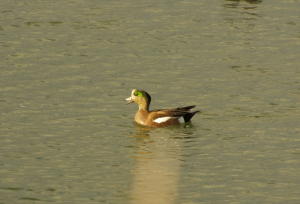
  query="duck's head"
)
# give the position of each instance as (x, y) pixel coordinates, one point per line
(141, 97)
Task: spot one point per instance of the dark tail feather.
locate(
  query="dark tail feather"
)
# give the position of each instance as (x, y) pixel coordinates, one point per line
(187, 117)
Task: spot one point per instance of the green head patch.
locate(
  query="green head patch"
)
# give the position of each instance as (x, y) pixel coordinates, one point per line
(138, 93)
(143, 94)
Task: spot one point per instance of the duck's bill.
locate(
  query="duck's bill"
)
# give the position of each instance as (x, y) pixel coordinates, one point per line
(129, 100)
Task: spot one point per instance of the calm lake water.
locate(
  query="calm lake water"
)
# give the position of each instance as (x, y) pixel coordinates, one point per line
(68, 137)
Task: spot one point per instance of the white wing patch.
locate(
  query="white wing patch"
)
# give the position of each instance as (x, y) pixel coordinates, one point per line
(161, 120)
(181, 120)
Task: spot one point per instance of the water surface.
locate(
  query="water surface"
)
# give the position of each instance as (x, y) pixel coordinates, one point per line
(68, 137)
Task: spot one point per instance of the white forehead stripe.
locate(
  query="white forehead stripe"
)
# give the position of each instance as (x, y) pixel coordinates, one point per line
(161, 120)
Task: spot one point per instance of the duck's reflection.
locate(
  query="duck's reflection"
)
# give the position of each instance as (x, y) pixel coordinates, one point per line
(157, 167)
(238, 9)
(236, 2)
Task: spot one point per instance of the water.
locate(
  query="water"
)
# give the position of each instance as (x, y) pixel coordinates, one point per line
(68, 137)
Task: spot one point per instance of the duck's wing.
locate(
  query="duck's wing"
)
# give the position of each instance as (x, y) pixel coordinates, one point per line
(174, 113)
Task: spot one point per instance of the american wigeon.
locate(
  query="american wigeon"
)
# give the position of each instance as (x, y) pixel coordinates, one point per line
(161, 117)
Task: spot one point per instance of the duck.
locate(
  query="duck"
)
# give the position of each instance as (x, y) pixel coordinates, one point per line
(159, 117)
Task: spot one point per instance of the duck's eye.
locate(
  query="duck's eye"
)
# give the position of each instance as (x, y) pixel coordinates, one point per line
(135, 93)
